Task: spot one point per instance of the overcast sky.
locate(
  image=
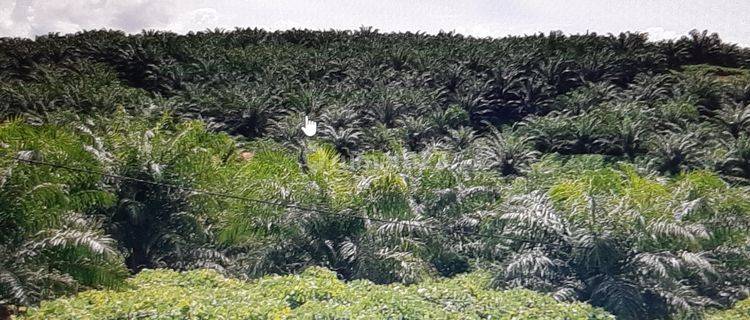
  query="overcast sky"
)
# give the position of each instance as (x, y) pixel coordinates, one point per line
(660, 18)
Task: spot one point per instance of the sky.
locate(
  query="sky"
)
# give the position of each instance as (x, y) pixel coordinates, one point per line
(661, 19)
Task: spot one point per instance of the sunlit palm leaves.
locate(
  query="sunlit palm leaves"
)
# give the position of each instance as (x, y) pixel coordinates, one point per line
(49, 244)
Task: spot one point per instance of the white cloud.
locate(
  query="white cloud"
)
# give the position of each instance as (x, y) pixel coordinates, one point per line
(659, 33)
(13, 17)
(195, 20)
(35, 17)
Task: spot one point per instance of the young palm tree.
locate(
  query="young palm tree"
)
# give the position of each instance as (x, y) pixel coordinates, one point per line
(345, 140)
(532, 95)
(461, 138)
(673, 152)
(384, 108)
(649, 88)
(584, 132)
(628, 137)
(645, 270)
(506, 152)
(737, 160)
(733, 118)
(161, 226)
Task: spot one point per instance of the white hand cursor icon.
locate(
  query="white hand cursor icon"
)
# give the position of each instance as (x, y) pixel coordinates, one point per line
(310, 127)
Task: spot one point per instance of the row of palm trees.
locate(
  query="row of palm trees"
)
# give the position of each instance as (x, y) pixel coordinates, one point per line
(523, 71)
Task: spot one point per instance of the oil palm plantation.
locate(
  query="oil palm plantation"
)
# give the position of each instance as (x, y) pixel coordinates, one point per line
(607, 169)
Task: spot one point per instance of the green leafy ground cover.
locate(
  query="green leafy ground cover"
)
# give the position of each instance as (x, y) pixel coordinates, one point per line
(316, 293)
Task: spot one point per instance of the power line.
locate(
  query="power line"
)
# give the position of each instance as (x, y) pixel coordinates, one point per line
(277, 204)
(439, 301)
(288, 205)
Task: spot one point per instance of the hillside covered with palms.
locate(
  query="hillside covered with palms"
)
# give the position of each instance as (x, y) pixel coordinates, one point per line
(605, 174)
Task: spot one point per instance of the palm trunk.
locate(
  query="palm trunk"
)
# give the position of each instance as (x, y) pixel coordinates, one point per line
(5, 312)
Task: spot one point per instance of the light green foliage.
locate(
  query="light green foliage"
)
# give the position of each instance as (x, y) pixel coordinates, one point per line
(722, 73)
(635, 230)
(740, 311)
(38, 197)
(314, 294)
(49, 242)
(653, 196)
(329, 172)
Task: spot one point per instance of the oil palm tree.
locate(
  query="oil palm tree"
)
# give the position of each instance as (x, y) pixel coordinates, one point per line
(345, 140)
(675, 151)
(628, 137)
(733, 118)
(508, 153)
(737, 160)
(461, 138)
(51, 242)
(700, 45)
(630, 273)
(157, 225)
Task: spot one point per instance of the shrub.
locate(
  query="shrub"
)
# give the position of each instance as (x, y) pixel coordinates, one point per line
(740, 311)
(315, 293)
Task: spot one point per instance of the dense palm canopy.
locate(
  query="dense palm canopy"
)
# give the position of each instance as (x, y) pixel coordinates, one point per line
(606, 169)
